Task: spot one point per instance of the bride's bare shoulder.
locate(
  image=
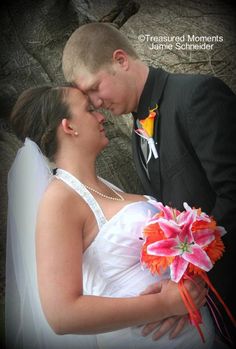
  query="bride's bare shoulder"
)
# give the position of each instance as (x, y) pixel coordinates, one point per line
(59, 196)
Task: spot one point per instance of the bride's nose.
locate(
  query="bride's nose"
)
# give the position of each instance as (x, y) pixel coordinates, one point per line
(100, 117)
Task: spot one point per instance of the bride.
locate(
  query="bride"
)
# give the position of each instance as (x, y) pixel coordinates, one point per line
(76, 280)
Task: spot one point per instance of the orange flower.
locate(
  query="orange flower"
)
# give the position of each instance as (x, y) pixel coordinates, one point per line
(155, 264)
(148, 122)
(216, 248)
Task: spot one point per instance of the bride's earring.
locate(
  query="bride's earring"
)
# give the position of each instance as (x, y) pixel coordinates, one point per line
(76, 133)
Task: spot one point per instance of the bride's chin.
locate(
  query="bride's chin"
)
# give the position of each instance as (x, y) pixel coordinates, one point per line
(103, 145)
(106, 142)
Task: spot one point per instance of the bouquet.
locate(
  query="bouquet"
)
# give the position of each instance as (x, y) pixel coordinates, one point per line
(189, 243)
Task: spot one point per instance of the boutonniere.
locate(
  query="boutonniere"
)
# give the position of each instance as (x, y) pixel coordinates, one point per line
(145, 130)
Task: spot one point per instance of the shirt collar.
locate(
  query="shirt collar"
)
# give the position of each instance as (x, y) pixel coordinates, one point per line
(152, 92)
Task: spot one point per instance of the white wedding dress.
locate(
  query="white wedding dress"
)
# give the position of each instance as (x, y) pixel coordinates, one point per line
(111, 267)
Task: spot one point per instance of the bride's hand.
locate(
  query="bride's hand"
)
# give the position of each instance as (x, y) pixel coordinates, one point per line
(196, 290)
(175, 305)
(154, 288)
(173, 324)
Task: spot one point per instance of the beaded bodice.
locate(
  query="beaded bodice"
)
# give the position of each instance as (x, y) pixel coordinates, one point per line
(75, 184)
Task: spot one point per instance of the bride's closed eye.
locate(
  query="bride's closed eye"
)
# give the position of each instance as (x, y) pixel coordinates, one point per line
(90, 108)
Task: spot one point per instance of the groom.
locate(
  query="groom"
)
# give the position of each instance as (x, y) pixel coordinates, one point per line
(184, 146)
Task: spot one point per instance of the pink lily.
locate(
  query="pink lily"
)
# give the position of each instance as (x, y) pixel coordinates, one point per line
(182, 244)
(202, 216)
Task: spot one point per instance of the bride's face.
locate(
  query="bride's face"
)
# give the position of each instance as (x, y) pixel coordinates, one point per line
(86, 121)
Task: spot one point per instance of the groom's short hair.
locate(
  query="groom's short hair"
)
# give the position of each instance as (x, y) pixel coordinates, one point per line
(91, 47)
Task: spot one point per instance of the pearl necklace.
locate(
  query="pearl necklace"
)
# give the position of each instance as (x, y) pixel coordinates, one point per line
(119, 198)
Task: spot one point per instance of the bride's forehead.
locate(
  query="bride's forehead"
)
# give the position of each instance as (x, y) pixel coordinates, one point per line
(74, 95)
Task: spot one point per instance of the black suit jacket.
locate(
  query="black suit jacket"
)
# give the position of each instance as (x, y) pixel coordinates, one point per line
(195, 132)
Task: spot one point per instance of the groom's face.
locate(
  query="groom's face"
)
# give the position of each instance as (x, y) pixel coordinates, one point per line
(109, 88)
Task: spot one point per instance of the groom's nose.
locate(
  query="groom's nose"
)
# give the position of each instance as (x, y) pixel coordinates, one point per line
(95, 100)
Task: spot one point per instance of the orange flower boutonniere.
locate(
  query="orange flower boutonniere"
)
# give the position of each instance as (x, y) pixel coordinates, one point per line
(145, 130)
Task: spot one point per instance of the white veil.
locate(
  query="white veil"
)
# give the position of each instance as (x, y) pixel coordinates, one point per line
(26, 325)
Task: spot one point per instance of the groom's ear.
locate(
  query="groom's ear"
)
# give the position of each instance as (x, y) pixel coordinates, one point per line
(121, 57)
(67, 127)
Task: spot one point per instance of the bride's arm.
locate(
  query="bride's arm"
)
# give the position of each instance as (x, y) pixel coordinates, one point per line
(59, 246)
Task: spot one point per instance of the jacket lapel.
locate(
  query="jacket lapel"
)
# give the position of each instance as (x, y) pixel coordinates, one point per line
(151, 96)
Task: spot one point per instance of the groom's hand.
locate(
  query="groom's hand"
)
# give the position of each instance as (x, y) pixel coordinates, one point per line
(174, 324)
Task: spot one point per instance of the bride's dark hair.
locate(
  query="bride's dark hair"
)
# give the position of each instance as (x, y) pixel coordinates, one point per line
(37, 114)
